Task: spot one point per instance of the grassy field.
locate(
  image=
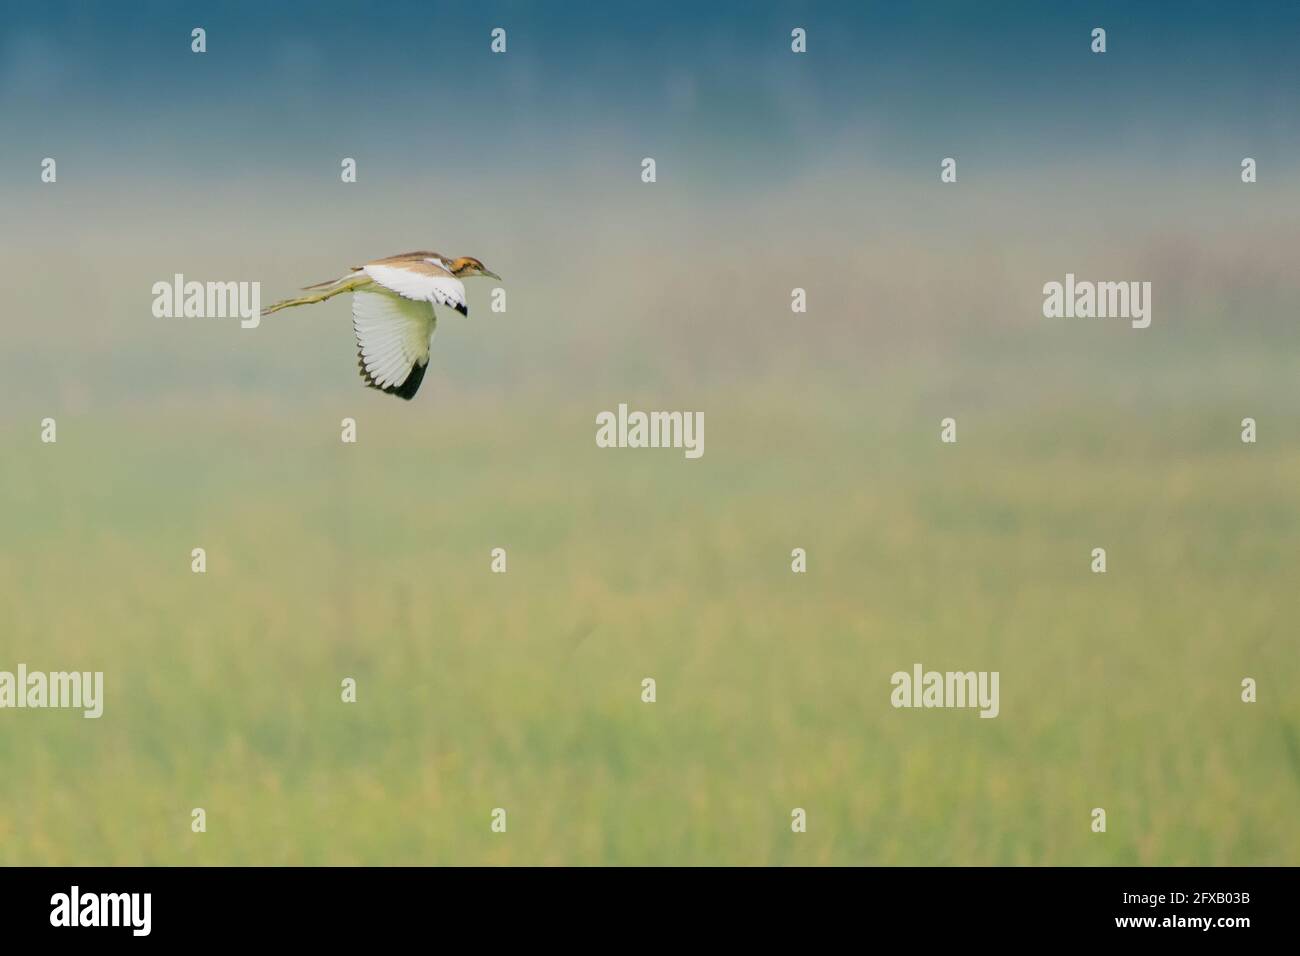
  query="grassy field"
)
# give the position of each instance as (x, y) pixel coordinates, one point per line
(522, 690)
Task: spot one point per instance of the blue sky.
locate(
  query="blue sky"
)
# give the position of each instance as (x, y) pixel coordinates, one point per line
(226, 164)
(279, 77)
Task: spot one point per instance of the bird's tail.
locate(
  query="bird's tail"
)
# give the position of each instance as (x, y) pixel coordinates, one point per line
(322, 291)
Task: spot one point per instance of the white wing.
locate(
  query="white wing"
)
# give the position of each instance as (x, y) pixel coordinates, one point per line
(393, 335)
(428, 284)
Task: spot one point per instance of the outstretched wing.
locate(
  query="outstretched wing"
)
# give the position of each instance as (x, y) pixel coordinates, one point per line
(393, 335)
(424, 280)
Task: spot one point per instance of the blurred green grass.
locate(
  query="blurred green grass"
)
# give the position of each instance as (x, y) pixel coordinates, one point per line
(522, 690)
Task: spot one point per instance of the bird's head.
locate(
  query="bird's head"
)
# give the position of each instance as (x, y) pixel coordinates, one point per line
(467, 266)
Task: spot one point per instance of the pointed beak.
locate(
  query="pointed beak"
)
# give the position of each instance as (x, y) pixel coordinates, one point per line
(492, 275)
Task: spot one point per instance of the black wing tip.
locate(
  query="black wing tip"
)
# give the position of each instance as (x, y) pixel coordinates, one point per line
(462, 308)
(406, 390)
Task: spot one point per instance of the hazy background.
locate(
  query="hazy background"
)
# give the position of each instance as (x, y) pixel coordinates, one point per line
(522, 690)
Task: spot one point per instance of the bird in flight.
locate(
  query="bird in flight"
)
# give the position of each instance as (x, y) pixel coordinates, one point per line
(393, 312)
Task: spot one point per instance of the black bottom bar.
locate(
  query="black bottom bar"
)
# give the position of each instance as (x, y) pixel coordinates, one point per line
(375, 905)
